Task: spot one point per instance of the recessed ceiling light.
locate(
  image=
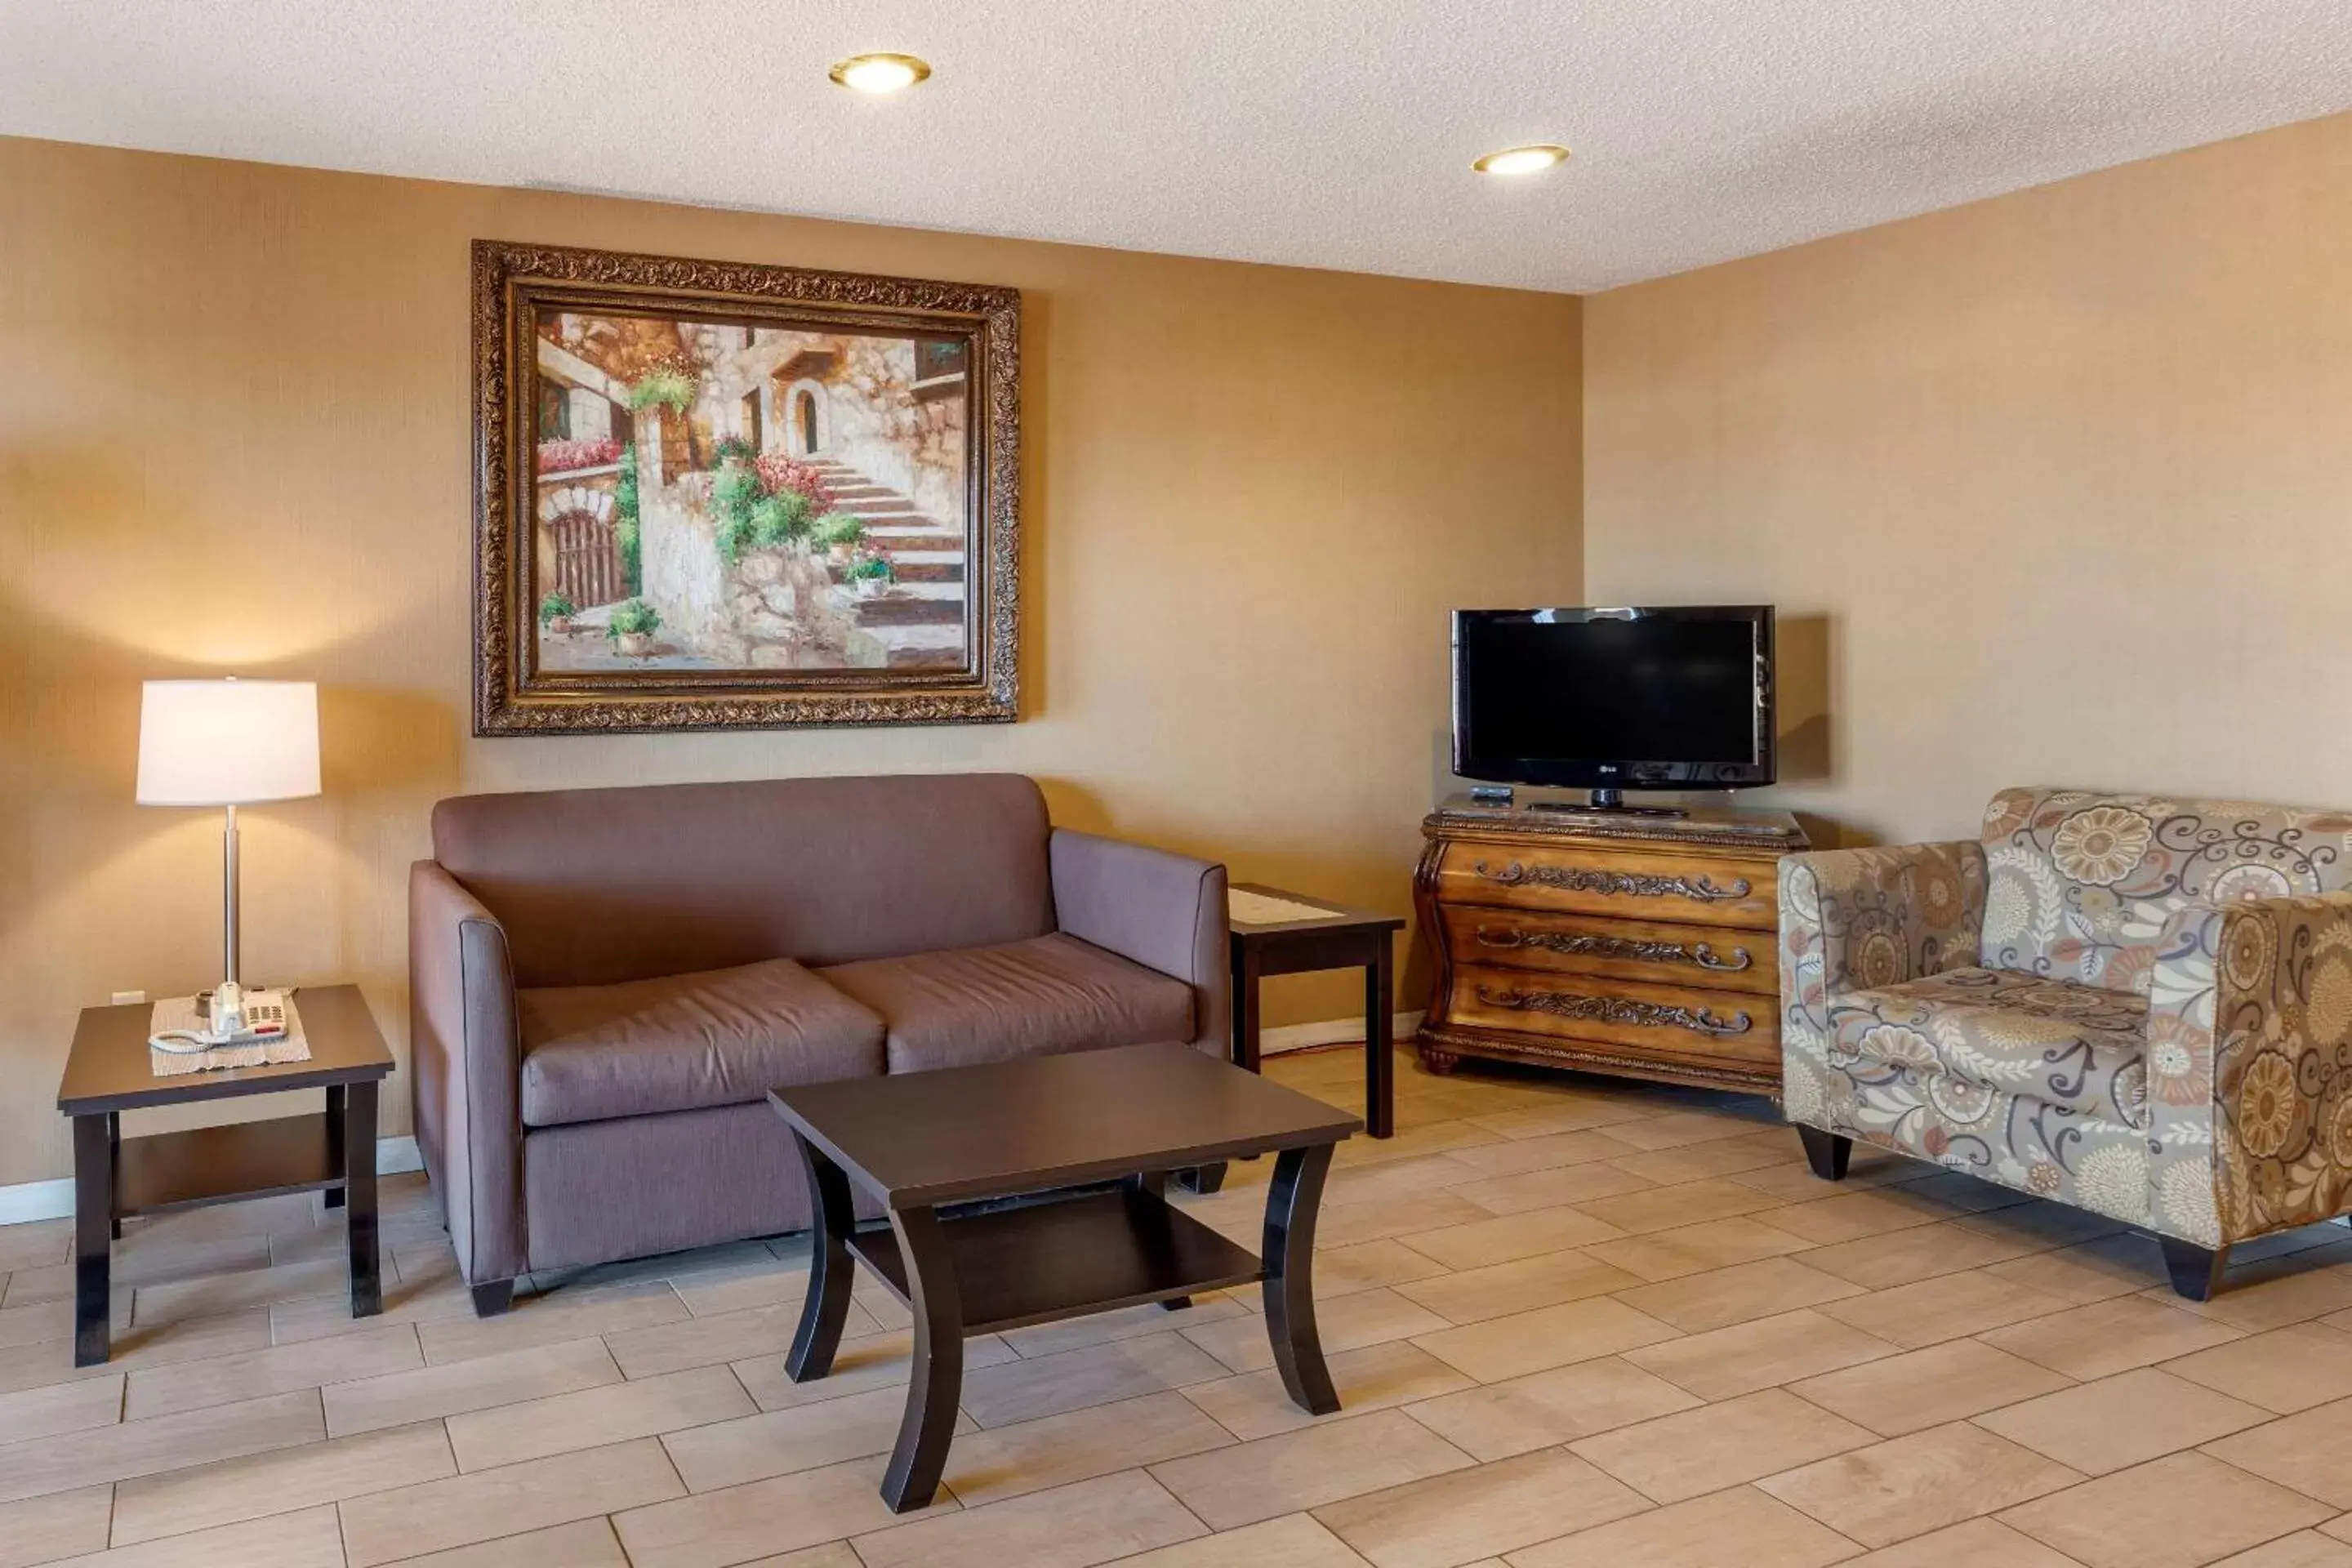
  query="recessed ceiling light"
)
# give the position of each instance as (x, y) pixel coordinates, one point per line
(1531, 160)
(879, 74)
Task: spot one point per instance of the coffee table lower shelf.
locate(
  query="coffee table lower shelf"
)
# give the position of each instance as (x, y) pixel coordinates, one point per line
(1067, 1257)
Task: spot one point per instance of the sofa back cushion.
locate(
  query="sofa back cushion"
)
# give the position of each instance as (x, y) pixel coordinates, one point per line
(2079, 885)
(599, 885)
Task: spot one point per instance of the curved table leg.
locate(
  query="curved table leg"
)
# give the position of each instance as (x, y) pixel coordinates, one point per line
(1289, 1253)
(831, 1268)
(937, 1383)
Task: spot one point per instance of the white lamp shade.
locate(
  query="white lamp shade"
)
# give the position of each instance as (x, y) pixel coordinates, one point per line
(227, 742)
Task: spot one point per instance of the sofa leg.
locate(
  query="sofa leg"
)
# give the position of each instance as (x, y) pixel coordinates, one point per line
(1202, 1179)
(2196, 1272)
(493, 1298)
(1826, 1152)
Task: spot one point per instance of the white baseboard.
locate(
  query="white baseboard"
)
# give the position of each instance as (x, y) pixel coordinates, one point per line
(55, 1200)
(35, 1200)
(1330, 1032)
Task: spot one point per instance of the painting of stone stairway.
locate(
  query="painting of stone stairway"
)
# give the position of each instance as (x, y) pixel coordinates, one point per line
(919, 620)
(801, 509)
(718, 496)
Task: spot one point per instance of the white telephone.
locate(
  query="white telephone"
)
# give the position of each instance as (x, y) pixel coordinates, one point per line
(235, 1017)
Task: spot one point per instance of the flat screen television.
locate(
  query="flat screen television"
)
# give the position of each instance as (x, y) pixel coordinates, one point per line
(1675, 697)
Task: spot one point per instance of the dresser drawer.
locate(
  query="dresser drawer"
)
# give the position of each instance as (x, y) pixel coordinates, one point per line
(1662, 955)
(1665, 1023)
(1590, 878)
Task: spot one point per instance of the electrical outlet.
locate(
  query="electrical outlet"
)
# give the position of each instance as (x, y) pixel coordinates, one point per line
(122, 998)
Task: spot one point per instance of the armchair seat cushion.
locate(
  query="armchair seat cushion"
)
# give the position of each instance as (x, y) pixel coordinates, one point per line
(684, 1042)
(2056, 1042)
(1039, 998)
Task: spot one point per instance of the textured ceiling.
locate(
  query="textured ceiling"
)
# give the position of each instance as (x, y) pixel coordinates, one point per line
(1315, 132)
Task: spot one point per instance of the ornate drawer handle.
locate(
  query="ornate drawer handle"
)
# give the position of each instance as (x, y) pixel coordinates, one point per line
(1618, 1010)
(1701, 953)
(1579, 879)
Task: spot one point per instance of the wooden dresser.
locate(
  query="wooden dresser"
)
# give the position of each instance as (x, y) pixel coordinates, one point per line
(1638, 945)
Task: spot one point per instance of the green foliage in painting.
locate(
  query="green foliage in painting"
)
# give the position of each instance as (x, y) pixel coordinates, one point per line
(734, 490)
(555, 607)
(631, 616)
(777, 519)
(624, 525)
(840, 527)
(744, 516)
(669, 386)
(873, 569)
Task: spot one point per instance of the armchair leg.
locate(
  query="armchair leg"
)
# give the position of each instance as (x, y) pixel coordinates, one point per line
(491, 1300)
(2196, 1272)
(1826, 1152)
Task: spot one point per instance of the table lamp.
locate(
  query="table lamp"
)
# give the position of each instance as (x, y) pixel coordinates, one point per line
(229, 744)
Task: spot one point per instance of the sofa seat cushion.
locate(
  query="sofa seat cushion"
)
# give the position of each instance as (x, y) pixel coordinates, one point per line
(1033, 998)
(2057, 1042)
(682, 1042)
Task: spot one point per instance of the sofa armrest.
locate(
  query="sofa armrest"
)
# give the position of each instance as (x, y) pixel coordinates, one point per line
(1164, 911)
(2250, 1068)
(465, 1070)
(1852, 919)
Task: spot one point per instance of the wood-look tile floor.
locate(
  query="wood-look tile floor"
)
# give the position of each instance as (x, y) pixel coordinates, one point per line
(1572, 1321)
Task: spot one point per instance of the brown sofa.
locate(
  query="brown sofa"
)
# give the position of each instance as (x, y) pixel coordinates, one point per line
(604, 983)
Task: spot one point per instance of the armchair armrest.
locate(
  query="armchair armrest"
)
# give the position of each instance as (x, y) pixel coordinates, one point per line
(2250, 1068)
(464, 1071)
(1854, 919)
(1164, 911)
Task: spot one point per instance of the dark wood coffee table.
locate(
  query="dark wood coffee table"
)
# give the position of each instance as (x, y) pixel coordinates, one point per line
(927, 1141)
(115, 1178)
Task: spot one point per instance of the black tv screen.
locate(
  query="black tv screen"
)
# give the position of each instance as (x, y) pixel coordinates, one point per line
(1608, 699)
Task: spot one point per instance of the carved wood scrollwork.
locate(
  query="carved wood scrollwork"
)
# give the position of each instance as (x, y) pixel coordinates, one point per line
(1634, 884)
(1581, 945)
(1618, 1010)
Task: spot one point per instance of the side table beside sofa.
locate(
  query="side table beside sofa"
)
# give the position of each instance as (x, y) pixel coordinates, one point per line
(1305, 937)
(332, 1151)
(605, 983)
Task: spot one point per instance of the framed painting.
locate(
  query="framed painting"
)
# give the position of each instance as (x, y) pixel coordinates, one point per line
(720, 495)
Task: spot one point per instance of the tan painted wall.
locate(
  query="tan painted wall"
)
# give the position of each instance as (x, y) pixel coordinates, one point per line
(1250, 496)
(2059, 485)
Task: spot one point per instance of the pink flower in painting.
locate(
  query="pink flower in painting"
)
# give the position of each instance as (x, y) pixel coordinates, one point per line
(779, 474)
(564, 456)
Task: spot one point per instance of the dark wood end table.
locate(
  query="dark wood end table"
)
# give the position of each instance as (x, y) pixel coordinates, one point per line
(926, 1142)
(118, 1178)
(1332, 937)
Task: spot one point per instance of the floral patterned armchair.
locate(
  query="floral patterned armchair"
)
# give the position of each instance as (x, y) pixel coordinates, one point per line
(2134, 1005)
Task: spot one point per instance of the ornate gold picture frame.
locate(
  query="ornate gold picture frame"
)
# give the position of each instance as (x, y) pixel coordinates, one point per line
(721, 495)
